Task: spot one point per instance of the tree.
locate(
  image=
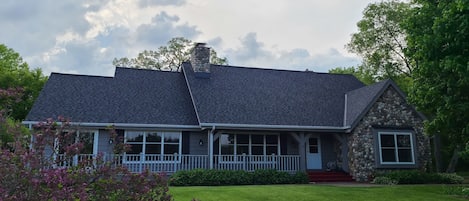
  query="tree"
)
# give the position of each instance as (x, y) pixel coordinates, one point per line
(360, 73)
(37, 171)
(168, 58)
(381, 43)
(438, 41)
(15, 74)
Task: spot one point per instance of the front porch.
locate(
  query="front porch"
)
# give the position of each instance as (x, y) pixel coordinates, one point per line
(174, 162)
(222, 150)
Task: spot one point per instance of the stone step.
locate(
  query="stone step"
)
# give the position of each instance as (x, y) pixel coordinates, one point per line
(329, 177)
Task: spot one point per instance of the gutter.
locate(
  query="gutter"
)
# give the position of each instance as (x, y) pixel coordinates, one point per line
(128, 125)
(211, 126)
(275, 127)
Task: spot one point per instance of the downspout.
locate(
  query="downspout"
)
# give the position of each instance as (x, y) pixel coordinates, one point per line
(210, 146)
(30, 127)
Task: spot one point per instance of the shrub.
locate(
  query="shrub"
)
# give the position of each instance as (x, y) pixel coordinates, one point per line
(384, 181)
(300, 178)
(457, 190)
(449, 178)
(409, 177)
(201, 177)
(419, 177)
(29, 174)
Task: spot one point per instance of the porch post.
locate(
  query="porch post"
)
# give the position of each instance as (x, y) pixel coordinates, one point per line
(300, 138)
(210, 148)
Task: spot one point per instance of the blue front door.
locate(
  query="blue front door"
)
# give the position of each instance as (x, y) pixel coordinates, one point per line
(313, 153)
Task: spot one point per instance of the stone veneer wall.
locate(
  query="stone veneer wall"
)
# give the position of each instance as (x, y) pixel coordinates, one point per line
(390, 110)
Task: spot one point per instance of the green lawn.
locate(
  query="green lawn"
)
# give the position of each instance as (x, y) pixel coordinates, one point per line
(312, 192)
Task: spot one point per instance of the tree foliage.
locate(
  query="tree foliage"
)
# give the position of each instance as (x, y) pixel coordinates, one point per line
(438, 41)
(380, 41)
(361, 73)
(168, 58)
(36, 171)
(15, 74)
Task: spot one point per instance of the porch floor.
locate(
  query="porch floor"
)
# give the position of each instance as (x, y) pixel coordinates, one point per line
(332, 176)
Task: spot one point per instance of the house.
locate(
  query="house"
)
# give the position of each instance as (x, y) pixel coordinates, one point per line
(227, 117)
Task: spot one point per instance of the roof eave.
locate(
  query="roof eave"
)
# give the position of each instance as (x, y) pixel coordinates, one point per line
(128, 125)
(219, 126)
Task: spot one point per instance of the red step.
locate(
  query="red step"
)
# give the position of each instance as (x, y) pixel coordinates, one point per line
(315, 176)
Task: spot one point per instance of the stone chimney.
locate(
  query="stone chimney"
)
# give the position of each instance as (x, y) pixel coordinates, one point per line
(200, 60)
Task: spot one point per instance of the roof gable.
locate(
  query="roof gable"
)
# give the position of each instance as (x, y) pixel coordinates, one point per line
(254, 96)
(359, 101)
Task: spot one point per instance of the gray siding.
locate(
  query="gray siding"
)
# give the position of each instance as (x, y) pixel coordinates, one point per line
(194, 146)
(328, 150)
(292, 146)
(103, 142)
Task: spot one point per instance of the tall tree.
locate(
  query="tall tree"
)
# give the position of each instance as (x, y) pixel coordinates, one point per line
(15, 74)
(167, 58)
(438, 41)
(359, 72)
(380, 41)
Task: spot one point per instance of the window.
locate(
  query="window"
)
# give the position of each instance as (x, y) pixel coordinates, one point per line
(313, 145)
(249, 144)
(396, 148)
(155, 145)
(89, 141)
(86, 137)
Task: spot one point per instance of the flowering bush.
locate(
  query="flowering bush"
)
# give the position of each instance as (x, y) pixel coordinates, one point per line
(30, 171)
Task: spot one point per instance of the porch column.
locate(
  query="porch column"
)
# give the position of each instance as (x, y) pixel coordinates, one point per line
(301, 139)
(210, 148)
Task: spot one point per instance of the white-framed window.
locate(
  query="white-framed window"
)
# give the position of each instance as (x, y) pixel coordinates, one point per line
(89, 139)
(396, 148)
(249, 144)
(155, 145)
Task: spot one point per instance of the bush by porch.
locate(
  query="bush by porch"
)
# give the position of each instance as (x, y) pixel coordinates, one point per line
(207, 177)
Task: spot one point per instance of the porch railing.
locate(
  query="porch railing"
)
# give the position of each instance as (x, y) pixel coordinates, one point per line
(172, 163)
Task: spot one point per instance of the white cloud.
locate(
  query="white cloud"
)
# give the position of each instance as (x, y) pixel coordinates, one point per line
(84, 36)
(162, 28)
(254, 53)
(149, 3)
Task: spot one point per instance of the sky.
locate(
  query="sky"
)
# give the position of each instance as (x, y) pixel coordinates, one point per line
(83, 37)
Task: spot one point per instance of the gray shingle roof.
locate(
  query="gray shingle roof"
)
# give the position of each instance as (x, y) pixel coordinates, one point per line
(231, 95)
(132, 96)
(237, 95)
(359, 100)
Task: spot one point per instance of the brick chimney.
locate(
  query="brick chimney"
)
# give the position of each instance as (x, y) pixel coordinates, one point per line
(200, 60)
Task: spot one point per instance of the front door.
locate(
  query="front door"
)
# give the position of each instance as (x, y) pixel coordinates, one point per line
(313, 153)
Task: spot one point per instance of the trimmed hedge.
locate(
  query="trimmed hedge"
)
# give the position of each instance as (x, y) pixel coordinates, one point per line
(384, 181)
(202, 177)
(418, 177)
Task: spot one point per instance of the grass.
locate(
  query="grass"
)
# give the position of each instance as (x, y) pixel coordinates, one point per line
(312, 192)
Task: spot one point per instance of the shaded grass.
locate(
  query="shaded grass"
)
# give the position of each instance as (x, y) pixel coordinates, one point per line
(311, 192)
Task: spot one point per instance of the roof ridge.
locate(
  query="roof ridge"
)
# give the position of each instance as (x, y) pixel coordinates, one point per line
(144, 69)
(384, 82)
(80, 75)
(282, 70)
